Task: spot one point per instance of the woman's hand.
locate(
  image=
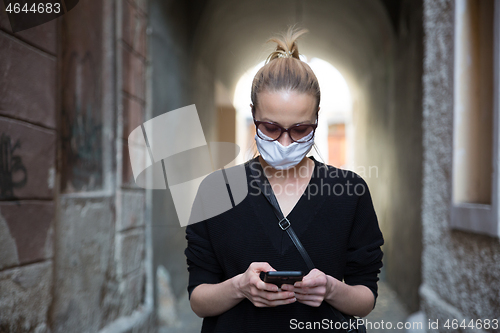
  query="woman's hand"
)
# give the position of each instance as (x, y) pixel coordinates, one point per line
(261, 294)
(313, 289)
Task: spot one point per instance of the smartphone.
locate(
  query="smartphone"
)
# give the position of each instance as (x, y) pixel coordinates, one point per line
(281, 277)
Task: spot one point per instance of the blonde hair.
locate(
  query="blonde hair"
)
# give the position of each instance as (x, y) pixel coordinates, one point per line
(284, 70)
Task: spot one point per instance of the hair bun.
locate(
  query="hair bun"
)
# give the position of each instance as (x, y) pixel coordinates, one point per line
(288, 73)
(287, 46)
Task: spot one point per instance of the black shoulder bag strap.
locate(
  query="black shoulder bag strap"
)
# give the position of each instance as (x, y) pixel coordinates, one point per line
(285, 225)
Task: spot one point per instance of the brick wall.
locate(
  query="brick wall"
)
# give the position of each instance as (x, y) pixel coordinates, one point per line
(27, 181)
(74, 233)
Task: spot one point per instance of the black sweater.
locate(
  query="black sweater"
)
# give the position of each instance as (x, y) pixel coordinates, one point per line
(335, 221)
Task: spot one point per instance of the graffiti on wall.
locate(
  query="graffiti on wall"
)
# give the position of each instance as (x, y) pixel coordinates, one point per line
(81, 130)
(13, 173)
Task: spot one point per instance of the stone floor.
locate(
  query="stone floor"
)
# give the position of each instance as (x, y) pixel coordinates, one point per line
(391, 311)
(388, 309)
(187, 321)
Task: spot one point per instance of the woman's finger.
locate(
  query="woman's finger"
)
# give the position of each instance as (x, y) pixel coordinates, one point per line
(261, 267)
(261, 285)
(314, 281)
(272, 296)
(311, 291)
(310, 303)
(312, 298)
(273, 303)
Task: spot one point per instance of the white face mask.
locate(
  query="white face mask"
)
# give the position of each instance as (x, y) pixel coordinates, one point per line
(281, 157)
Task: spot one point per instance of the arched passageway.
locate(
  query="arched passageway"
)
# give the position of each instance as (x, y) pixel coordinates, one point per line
(199, 54)
(76, 250)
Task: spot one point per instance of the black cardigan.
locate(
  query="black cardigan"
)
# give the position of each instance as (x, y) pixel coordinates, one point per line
(335, 221)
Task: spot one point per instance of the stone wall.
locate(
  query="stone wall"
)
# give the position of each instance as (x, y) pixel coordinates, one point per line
(460, 269)
(75, 238)
(28, 172)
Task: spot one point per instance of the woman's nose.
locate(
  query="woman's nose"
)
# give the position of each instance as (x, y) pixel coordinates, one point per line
(285, 139)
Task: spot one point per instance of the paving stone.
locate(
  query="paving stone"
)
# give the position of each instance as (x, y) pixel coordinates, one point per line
(133, 292)
(127, 174)
(131, 250)
(29, 224)
(132, 209)
(133, 115)
(8, 247)
(25, 297)
(133, 74)
(23, 70)
(85, 279)
(134, 25)
(29, 167)
(128, 180)
(27, 160)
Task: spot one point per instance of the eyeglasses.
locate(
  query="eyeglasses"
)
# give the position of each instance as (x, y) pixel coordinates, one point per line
(297, 133)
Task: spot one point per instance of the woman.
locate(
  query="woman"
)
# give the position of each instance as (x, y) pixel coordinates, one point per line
(330, 209)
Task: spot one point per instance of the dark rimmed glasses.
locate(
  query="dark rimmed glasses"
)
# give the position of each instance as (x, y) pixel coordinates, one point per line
(297, 133)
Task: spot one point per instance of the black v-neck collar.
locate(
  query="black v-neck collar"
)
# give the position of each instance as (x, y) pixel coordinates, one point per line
(300, 217)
